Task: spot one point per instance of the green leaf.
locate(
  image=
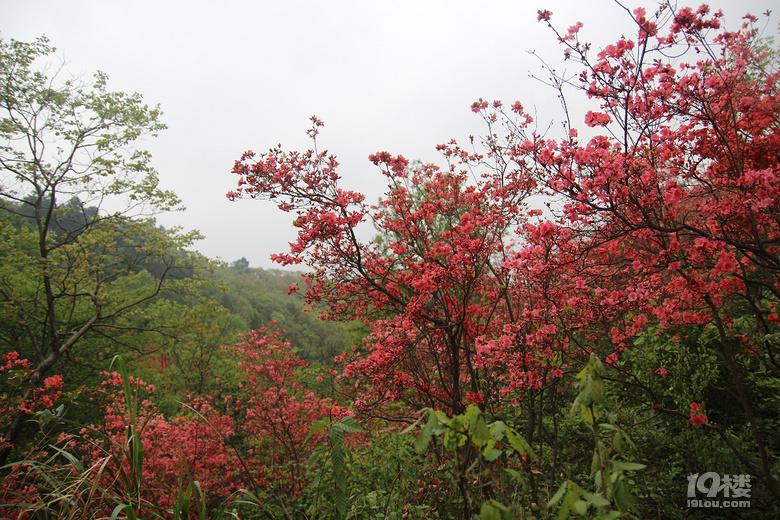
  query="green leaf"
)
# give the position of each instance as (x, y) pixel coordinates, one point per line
(340, 499)
(489, 512)
(480, 434)
(349, 424)
(519, 444)
(72, 459)
(491, 453)
(336, 436)
(595, 499)
(587, 414)
(595, 463)
(627, 466)
(593, 390)
(123, 508)
(516, 475)
(453, 438)
(315, 456)
(572, 495)
(414, 425)
(337, 458)
(424, 439)
(558, 494)
(122, 369)
(622, 497)
(320, 425)
(497, 430)
(619, 442)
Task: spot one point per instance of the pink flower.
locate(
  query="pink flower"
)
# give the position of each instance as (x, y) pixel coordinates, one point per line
(543, 15)
(573, 30)
(597, 119)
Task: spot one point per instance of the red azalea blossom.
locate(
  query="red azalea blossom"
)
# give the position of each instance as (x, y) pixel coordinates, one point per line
(474, 397)
(544, 14)
(698, 420)
(597, 119)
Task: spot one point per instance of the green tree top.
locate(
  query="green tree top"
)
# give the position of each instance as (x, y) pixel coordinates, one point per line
(76, 201)
(62, 137)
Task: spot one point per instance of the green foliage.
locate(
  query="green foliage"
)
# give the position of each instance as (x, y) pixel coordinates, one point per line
(190, 501)
(82, 261)
(469, 427)
(611, 498)
(388, 480)
(338, 458)
(473, 445)
(256, 297)
(695, 369)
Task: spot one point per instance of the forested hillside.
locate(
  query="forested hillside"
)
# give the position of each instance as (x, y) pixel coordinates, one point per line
(256, 297)
(581, 323)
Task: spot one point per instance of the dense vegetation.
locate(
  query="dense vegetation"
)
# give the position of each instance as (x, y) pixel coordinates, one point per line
(614, 354)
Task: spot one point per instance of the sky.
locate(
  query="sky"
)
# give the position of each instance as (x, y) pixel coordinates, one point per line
(395, 75)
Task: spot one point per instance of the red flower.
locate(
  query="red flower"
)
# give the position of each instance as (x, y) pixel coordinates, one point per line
(597, 119)
(661, 371)
(698, 419)
(474, 397)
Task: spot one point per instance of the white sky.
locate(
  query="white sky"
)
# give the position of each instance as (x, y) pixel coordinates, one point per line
(396, 75)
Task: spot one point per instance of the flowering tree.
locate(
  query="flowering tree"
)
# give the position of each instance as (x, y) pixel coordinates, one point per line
(431, 285)
(663, 220)
(676, 196)
(22, 399)
(667, 216)
(276, 412)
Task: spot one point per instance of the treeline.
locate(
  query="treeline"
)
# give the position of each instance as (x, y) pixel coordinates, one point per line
(257, 297)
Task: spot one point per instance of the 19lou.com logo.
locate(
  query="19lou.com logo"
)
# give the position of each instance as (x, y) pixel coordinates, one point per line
(720, 490)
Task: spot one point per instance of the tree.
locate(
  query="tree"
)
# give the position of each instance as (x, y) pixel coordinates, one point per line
(663, 222)
(429, 289)
(81, 194)
(667, 215)
(679, 195)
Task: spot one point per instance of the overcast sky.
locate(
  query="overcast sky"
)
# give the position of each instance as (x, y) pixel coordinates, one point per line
(395, 75)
